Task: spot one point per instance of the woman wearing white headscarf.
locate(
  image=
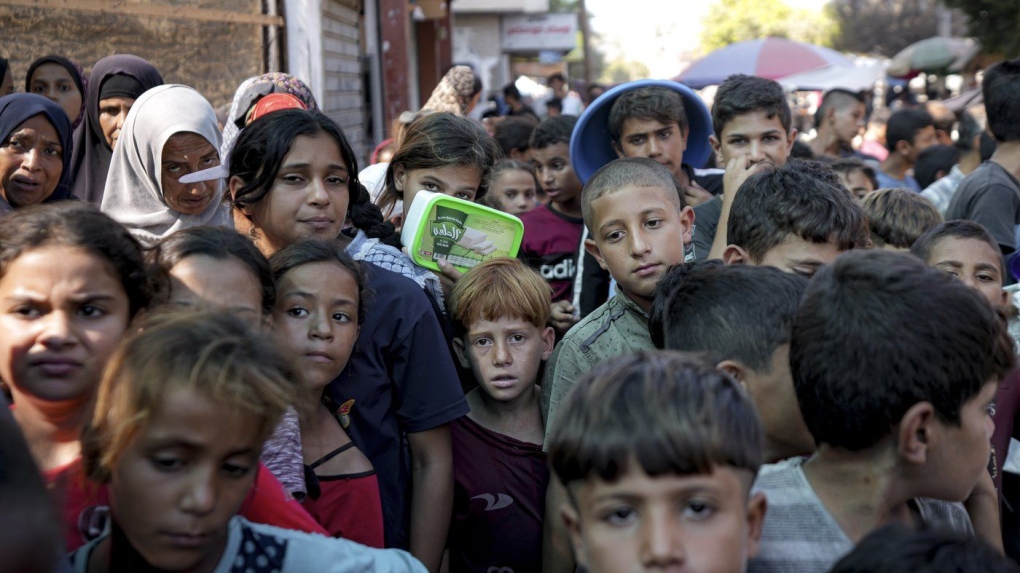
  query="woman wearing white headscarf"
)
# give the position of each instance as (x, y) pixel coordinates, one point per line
(170, 132)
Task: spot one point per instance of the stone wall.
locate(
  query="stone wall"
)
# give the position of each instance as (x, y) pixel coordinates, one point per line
(213, 57)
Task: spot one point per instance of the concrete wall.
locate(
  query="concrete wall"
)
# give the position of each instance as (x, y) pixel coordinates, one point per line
(213, 57)
(476, 41)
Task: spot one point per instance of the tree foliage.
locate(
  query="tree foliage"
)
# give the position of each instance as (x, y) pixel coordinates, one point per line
(995, 22)
(731, 21)
(881, 27)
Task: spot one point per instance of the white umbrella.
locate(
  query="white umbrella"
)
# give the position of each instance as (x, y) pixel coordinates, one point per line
(835, 76)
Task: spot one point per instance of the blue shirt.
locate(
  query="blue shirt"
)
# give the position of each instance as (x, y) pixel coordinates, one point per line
(887, 182)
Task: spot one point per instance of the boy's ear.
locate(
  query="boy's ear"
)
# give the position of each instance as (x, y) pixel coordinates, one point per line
(568, 512)
(903, 147)
(687, 224)
(735, 369)
(593, 250)
(791, 138)
(735, 255)
(917, 433)
(618, 149)
(717, 148)
(548, 342)
(756, 508)
(461, 352)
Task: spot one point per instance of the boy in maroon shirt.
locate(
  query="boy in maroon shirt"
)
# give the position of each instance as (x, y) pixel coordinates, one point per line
(499, 310)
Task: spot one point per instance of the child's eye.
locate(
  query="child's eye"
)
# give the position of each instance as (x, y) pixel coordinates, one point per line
(614, 236)
(986, 278)
(26, 311)
(697, 510)
(167, 464)
(297, 312)
(65, 88)
(664, 134)
(620, 516)
(518, 338)
(341, 317)
(464, 196)
(431, 187)
(337, 181)
(291, 179)
(236, 470)
(482, 343)
(90, 311)
(653, 223)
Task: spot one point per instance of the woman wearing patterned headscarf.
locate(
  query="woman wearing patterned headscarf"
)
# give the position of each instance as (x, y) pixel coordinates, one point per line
(250, 91)
(62, 81)
(457, 92)
(116, 82)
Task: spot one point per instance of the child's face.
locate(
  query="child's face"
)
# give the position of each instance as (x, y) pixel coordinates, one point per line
(794, 255)
(63, 313)
(922, 140)
(702, 523)
(504, 355)
(962, 453)
(637, 234)
(556, 173)
(316, 319)
(857, 182)
(177, 484)
(460, 181)
(754, 134)
(663, 142)
(974, 262)
(786, 434)
(200, 281)
(515, 190)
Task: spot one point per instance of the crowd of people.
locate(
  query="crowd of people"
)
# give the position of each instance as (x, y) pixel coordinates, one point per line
(720, 347)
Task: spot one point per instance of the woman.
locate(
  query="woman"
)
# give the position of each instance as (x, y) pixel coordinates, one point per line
(246, 95)
(170, 132)
(114, 85)
(35, 151)
(62, 81)
(457, 92)
(6, 79)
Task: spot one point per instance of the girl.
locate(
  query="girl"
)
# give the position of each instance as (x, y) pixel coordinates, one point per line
(35, 152)
(71, 282)
(317, 317)
(114, 85)
(440, 152)
(293, 176)
(214, 267)
(62, 81)
(180, 418)
(170, 132)
(513, 187)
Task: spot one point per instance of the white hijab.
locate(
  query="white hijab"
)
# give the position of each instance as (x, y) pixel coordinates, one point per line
(134, 190)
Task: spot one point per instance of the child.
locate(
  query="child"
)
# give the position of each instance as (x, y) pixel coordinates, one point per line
(897, 217)
(513, 187)
(967, 251)
(500, 311)
(658, 454)
(513, 134)
(839, 119)
(894, 549)
(552, 232)
(639, 226)
(740, 317)
(753, 130)
(857, 176)
(72, 280)
(892, 441)
(907, 133)
(316, 319)
(180, 419)
(793, 219)
(218, 268)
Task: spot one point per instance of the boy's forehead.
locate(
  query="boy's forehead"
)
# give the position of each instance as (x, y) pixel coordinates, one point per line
(484, 324)
(652, 197)
(560, 150)
(635, 124)
(752, 123)
(635, 482)
(965, 249)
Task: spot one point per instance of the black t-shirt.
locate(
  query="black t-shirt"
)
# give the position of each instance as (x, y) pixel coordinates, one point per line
(400, 379)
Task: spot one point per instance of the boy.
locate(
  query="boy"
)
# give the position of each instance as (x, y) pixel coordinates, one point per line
(899, 416)
(990, 196)
(552, 232)
(513, 135)
(639, 227)
(839, 119)
(658, 453)
(740, 317)
(794, 219)
(857, 176)
(897, 217)
(753, 130)
(967, 251)
(499, 310)
(895, 549)
(907, 133)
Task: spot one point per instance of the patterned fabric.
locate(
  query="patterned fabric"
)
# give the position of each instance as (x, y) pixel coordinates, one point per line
(284, 83)
(372, 251)
(941, 191)
(454, 92)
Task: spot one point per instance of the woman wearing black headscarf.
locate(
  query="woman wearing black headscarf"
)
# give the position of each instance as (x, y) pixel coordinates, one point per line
(62, 81)
(6, 78)
(35, 151)
(114, 85)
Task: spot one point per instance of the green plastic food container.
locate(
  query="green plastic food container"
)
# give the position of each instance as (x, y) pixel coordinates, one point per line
(440, 227)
